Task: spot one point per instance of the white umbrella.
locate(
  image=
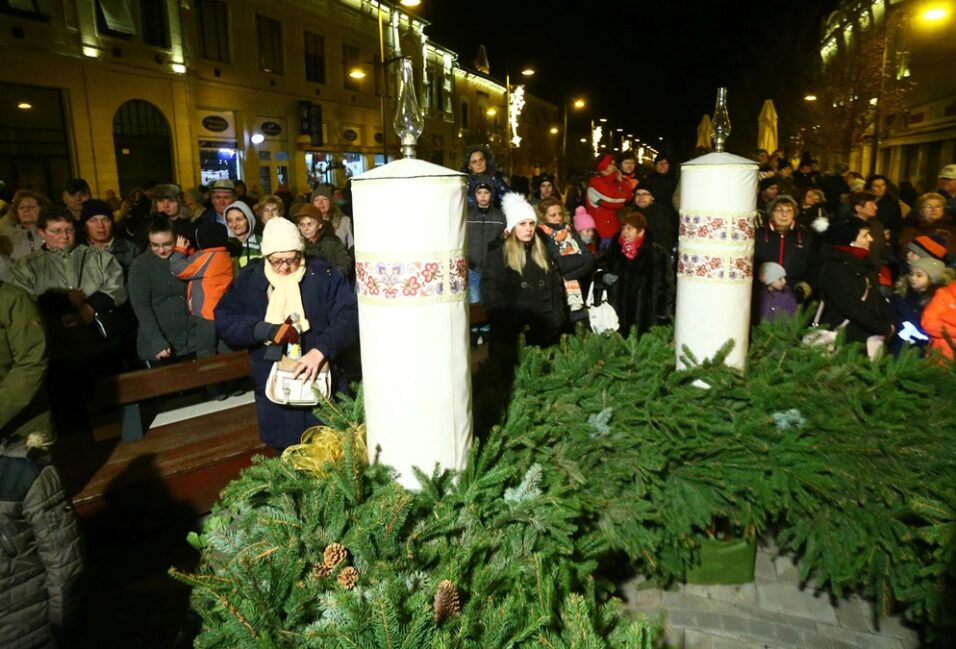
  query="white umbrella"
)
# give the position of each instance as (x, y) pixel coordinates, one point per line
(703, 133)
(767, 127)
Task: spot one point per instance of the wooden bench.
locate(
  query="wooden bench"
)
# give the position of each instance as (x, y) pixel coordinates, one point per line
(127, 391)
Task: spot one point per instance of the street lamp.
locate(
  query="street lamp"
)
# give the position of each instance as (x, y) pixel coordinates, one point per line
(577, 104)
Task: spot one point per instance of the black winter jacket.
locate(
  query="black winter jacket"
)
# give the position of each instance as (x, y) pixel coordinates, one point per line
(793, 250)
(485, 226)
(850, 290)
(642, 292)
(533, 298)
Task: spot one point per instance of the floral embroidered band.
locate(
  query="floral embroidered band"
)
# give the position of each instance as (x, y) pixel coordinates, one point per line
(441, 277)
(716, 248)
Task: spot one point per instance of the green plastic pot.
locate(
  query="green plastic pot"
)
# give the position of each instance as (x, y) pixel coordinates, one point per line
(724, 562)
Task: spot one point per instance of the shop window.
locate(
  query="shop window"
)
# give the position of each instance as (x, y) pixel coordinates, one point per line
(218, 159)
(155, 24)
(350, 61)
(354, 164)
(314, 57)
(269, 33)
(213, 19)
(320, 168)
(464, 114)
(114, 17)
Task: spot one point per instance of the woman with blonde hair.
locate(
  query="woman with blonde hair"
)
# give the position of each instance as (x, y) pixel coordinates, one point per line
(269, 207)
(520, 284)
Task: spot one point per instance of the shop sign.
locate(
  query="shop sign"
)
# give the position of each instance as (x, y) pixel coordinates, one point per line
(378, 138)
(350, 135)
(215, 123)
(270, 128)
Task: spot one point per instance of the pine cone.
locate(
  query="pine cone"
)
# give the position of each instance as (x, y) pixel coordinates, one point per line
(334, 555)
(348, 577)
(321, 571)
(446, 601)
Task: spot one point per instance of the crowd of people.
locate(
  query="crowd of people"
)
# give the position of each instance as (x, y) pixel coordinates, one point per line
(876, 259)
(98, 286)
(124, 285)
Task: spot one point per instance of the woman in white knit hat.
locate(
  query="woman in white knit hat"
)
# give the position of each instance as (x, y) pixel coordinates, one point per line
(269, 294)
(520, 284)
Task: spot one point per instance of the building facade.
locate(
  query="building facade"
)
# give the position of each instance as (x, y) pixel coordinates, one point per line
(126, 93)
(916, 141)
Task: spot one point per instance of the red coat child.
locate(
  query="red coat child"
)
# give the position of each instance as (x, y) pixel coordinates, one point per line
(607, 193)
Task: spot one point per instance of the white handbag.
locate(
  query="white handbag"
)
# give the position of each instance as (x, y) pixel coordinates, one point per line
(281, 388)
(602, 316)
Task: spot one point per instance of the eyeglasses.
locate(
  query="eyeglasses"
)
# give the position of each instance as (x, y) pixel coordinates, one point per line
(288, 263)
(65, 232)
(166, 245)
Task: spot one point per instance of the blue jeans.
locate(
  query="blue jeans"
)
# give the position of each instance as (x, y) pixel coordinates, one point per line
(474, 283)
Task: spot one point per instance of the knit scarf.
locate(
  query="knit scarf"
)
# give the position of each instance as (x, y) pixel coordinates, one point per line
(631, 248)
(859, 253)
(567, 245)
(285, 298)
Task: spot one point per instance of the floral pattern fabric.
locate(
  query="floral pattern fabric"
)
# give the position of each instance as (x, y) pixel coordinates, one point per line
(404, 281)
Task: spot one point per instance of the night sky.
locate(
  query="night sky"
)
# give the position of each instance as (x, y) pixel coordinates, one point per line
(650, 67)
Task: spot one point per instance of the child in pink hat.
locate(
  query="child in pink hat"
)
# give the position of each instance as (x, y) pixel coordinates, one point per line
(584, 224)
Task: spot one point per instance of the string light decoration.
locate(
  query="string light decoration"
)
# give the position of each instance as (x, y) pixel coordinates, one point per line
(596, 136)
(514, 112)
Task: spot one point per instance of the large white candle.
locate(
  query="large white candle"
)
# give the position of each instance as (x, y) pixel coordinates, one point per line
(411, 276)
(715, 256)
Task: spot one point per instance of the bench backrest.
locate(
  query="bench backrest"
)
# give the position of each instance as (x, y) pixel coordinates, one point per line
(132, 387)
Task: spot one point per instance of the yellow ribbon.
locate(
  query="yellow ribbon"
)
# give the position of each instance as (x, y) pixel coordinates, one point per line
(321, 446)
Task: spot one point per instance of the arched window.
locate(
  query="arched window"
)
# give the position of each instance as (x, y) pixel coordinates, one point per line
(143, 151)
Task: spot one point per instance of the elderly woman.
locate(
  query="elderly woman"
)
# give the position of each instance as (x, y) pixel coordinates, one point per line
(20, 223)
(267, 293)
(929, 219)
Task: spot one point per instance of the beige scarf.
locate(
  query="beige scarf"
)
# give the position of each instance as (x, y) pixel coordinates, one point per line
(285, 297)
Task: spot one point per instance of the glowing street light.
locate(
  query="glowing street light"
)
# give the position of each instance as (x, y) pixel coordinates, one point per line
(579, 103)
(934, 14)
(24, 105)
(528, 72)
(410, 3)
(357, 73)
(554, 130)
(491, 112)
(810, 97)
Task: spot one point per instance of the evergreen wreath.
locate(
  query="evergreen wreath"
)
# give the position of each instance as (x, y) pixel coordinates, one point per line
(605, 449)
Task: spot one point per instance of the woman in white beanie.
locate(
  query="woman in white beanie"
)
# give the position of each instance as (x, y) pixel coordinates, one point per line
(281, 287)
(520, 284)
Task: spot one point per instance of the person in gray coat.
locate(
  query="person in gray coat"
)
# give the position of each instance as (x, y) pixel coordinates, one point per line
(166, 329)
(40, 557)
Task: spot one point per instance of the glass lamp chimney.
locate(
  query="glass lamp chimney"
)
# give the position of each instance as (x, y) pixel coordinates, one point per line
(720, 125)
(408, 122)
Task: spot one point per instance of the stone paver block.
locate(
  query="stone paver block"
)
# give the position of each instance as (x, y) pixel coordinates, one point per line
(787, 569)
(682, 617)
(735, 624)
(642, 599)
(789, 635)
(764, 570)
(855, 613)
(696, 640)
(790, 600)
(858, 638)
(896, 627)
(739, 594)
(709, 621)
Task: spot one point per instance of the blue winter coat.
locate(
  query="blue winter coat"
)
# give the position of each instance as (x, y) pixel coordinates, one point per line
(332, 311)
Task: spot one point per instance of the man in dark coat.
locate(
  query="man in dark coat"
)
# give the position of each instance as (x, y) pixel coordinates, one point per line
(662, 182)
(661, 219)
(331, 311)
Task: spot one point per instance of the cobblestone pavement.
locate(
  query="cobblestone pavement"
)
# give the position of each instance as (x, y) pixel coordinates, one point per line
(774, 612)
